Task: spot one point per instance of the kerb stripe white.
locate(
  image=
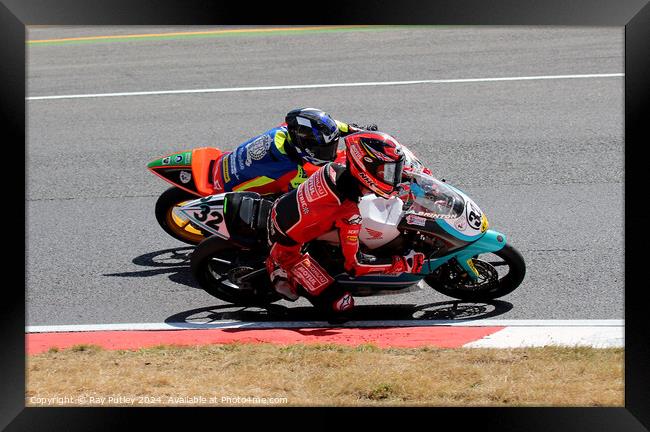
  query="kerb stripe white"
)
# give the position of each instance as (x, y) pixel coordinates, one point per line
(307, 324)
(519, 337)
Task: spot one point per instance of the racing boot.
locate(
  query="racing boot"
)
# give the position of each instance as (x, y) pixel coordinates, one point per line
(282, 285)
(335, 304)
(341, 307)
(343, 303)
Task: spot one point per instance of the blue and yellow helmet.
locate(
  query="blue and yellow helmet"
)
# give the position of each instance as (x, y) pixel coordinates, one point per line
(314, 134)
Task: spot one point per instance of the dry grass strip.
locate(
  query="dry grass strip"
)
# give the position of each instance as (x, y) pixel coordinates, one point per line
(325, 375)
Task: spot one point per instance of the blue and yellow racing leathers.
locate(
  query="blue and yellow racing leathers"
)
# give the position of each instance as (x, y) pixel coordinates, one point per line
(265, 164)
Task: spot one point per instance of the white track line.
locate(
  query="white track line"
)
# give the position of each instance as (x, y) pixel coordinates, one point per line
(316, 86)
(559, 324)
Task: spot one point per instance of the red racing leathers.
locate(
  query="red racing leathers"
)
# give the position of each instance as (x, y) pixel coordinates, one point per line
(327, 200)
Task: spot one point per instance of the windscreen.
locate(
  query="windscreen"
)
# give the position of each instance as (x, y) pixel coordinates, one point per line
(433, 197)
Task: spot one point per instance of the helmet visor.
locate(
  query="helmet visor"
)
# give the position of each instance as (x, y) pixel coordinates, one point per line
(324, 153)
(390, 173)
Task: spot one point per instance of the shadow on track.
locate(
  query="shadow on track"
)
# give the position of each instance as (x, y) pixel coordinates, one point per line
(174, 261)
(456, 311)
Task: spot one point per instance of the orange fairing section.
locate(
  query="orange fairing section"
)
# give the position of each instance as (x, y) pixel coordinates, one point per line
(201, 158)
(310, 168)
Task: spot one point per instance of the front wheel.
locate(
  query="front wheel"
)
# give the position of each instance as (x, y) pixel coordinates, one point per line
(172, 220)
(500, 273)
(231, 273)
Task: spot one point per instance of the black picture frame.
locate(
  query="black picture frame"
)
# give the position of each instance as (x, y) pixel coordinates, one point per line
(633, 14)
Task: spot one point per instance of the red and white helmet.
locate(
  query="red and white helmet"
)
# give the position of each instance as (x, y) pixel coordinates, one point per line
(376, 160)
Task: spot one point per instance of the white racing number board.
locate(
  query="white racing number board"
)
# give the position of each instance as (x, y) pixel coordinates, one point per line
(207, 214)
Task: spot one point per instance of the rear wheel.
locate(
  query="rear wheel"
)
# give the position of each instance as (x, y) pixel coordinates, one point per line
(500, 273)
(232, 274)
(172, 220)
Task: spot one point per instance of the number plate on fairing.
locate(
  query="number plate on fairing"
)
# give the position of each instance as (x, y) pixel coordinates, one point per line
(207, 214)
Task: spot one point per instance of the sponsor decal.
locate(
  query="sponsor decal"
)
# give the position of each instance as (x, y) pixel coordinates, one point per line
(185, 177)
(302, 202)
(224, 168)
(315, 187)
(310, 275)
(416, 220)
(344, 303)
(367, 159)
(236, 161)
(435, 215)
(354, 220)
(374, 233)
(239, 162)
(178, 158)
(461, 225)
(257, 149)
(166, 160)
(352, 238)
(188, 157)
(216, 178)
(356, 154)
(369, 182)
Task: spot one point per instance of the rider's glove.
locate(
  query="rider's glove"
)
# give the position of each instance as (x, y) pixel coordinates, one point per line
(409, 263)
(369, 127)
(404, 192)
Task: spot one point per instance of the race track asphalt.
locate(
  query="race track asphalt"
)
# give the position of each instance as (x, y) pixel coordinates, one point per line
(542, 158)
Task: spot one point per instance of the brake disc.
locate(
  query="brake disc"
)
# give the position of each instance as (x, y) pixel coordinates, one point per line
(237, 273)
(487, 275)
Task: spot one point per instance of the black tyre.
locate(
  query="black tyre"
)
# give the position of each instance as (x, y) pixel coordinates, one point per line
(501, 272)
(172, 220)
(219, 266)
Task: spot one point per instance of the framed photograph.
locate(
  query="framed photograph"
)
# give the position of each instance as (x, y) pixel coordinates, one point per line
(484, 155)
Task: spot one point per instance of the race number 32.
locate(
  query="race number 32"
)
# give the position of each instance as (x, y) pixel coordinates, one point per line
(211, 219)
